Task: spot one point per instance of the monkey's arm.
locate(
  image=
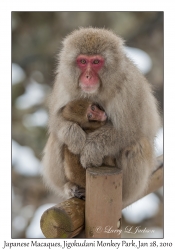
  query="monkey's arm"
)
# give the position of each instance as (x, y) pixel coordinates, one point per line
(102, 142)
(72, 135)
(107, 141)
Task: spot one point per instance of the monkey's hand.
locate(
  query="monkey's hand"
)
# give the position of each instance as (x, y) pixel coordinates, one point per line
(73, 136)
(91, 155)
(99, 143)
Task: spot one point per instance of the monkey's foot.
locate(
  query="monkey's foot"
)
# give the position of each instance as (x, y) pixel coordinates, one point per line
(79, 193)
(73, 190)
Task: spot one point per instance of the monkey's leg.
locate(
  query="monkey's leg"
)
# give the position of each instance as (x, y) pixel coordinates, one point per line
(53, 168)
(72, 190)
(137, 163)
(75, 173)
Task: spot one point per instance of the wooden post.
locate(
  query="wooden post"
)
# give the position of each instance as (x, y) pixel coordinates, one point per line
(64, 220)
(103, 202)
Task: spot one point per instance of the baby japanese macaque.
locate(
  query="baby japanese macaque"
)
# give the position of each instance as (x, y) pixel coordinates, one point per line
(89, 116)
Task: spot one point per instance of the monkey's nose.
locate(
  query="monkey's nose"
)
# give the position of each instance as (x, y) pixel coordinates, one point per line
(88, 76)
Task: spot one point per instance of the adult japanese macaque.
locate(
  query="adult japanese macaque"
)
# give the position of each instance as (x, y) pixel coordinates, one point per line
(93, 65)
(89, 117)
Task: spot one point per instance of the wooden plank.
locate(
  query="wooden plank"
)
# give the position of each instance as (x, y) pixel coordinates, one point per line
(64, 220)
(103, 202)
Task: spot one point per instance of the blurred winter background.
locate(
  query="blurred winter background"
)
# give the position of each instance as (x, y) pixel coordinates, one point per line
(36, 39)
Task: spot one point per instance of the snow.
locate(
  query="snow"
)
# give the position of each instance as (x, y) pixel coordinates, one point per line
(140, 58)
(18, 74)
(34, 95)
(33, 230)
(143, 209)
(24, 160)
(19, 223)
(38, 118)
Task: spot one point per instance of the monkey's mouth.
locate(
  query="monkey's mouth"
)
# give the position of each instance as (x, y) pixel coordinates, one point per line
(89, 88)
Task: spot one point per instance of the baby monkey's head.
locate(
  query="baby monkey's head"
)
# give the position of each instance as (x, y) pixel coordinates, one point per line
(86, 113)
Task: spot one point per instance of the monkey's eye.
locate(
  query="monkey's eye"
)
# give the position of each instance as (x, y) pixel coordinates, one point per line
(96, 61)
(93, 107)
(83, 61)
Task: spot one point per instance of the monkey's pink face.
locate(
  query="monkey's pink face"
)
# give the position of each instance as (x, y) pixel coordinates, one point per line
(96, 114)
(89, 80)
